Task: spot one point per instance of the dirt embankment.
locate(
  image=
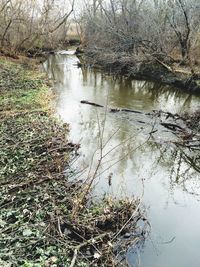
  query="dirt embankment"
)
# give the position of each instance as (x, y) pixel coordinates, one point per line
(147, 69)
(45, 219)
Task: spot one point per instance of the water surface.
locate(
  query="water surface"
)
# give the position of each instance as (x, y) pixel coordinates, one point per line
(170, 177)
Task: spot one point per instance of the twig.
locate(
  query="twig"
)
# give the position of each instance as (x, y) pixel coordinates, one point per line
(88, 242)
(132, 216)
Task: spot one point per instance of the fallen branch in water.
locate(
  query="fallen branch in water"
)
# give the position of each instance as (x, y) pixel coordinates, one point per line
(171, 126)
(111, 109)
(91, 103)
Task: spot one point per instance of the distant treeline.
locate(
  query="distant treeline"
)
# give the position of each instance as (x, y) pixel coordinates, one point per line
(30, 24)
(168, 30)
(162, 29)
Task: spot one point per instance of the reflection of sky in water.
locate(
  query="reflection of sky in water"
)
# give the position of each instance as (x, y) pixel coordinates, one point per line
(173, 212)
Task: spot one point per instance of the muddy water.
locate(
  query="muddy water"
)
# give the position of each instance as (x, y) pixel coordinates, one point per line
(134, 160)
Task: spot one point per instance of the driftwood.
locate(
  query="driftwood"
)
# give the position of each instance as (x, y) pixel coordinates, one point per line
(168, 125)
(183, 132)
(91, 103)
(131, 110)
(171, 126)
(111, 109)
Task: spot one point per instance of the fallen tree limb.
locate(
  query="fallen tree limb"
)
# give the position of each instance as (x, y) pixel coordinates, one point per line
(91, 103)
(164, 65)
(171, 126)
(111, 109)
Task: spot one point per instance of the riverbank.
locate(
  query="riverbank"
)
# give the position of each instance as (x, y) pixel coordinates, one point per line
(146, 69)
(46, 220)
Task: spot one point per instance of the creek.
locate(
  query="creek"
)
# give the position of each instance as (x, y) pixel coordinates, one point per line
(135, 161)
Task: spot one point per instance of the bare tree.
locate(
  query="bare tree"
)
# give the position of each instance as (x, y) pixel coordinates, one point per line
(152, 28)
(28, 24)
(179, 18)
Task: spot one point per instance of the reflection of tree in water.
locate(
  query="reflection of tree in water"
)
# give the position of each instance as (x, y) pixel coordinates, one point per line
(185, 171)
(124, 90)
(184, 166)
(54, 65)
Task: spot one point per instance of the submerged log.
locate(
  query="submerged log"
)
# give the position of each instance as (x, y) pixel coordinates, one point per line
(91, 103)
(131, 110)
(173, 122)
(113, 110)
